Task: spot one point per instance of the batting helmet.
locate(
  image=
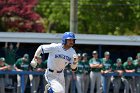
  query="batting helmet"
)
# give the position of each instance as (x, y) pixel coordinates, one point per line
(67, 35)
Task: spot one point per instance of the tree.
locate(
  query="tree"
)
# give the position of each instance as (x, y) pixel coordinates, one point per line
(19, 15)
(115, 17)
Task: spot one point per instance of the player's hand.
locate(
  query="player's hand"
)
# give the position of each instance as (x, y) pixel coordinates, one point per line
(19, 70)
(100, 66)
(75, 59)
(9, 67)
(39, 69)
(33, 63)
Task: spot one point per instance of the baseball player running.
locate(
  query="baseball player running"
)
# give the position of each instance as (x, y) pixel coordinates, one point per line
(59, 56)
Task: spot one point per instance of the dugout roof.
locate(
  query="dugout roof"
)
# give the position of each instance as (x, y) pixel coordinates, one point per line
(91, 39)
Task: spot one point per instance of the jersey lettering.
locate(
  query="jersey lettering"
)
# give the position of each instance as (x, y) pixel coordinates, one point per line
(63, 57)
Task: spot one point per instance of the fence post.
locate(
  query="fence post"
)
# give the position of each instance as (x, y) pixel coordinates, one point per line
(22, 83)
(104, 84)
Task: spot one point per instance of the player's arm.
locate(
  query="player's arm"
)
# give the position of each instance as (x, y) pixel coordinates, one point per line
(36, 55)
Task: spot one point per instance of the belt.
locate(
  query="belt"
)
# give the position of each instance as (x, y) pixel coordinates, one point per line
(55, 71)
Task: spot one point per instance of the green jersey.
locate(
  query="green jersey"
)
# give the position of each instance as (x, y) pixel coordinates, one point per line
(10, 56)
(95, 61)
(135, 61)
(20, 64)
(117, 67)
(80, 68)
(107, 64)
(128, 67)
(137, 68)
(86, 67)
(5, 64)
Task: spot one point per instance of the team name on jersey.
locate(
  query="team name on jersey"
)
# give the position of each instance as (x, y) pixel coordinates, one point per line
(63, 57)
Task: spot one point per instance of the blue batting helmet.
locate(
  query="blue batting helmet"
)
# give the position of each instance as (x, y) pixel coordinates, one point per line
(67, 35)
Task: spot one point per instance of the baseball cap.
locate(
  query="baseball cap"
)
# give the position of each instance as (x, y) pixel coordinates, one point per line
(84, 55)
(2, 59)
(129, 59)
(94, 52)
(118, 60)
(79, 54)
(26, 56)
(106, 53)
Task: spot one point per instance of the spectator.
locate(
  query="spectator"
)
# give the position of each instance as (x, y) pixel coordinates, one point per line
(35, 79)
(10, 58)
(79, 75)
(137, 58)
(118, 68)
(3, 66)
(86, 72)
(107, 68)
(22, 64)
(10, 53)
(95, 74)
(129, 67)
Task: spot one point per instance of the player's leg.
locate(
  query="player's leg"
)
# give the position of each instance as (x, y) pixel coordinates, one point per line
(2, 85)
(108, 79)
(86, 84)
(18, 84)
(67, 81)
(79, 83)
(126, 84)
(98, 82)
(92, 81)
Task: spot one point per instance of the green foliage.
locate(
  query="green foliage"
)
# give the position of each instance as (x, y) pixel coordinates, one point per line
(114, 17)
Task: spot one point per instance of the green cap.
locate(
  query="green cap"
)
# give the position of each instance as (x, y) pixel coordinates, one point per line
(26, 56)
(107, 53)
(129, 59)
(118, 60)
(2, 59)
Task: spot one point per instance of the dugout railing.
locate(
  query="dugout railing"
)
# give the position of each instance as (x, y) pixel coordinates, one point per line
(22, 73)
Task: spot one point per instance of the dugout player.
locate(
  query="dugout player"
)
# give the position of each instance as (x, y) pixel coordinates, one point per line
(95, 74)
(60, 55)
(128, 81)
(3, 66)
(118, 68)
(22, 64)
(107, 68)
(86, 72)
(79, 75)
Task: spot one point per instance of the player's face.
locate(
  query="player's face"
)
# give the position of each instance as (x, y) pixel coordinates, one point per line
(107, 56)
(70, 42)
